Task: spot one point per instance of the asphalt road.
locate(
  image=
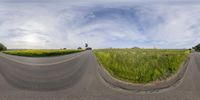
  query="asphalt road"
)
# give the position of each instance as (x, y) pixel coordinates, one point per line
(76, 77)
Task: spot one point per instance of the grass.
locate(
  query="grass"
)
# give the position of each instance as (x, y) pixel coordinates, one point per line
(141, 65)
(40, 53)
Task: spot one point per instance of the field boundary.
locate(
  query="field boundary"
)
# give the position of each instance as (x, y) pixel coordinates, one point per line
(152, 87)
(55, 63)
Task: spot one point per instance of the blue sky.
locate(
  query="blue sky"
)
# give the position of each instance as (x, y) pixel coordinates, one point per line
(58, 24)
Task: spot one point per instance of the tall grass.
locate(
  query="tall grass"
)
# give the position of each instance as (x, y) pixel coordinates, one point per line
(40, 53)
(141, 65)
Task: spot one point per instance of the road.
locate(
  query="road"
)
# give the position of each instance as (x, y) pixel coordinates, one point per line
(76, 77)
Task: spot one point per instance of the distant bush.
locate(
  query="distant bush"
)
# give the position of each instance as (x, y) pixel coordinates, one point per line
(197, 47)
(2, 47)
(79, 48)
(135, 48)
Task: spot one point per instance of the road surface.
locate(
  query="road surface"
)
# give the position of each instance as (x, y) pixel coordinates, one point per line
(76, 77)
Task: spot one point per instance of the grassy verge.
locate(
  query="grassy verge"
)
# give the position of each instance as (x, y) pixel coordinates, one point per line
(141, 65)
(40, 53)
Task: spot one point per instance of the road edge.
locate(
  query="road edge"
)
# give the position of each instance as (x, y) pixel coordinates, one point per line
(156, 86)
(58, 62)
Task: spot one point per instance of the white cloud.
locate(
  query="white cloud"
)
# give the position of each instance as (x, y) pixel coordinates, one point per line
(177, 29)
(33, 25)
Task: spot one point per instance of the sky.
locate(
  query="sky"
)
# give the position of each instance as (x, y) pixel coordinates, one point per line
(54, 24)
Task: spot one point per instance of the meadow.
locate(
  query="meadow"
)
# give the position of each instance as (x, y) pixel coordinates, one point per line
(141, 65)
(40, 53)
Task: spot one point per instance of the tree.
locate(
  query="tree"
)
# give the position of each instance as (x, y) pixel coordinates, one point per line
(197, 47)
(86, 45)
(2, 47)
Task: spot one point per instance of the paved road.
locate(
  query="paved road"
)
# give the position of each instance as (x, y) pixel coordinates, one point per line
(75, 77)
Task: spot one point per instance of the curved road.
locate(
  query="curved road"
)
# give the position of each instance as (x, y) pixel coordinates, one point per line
(76, 77)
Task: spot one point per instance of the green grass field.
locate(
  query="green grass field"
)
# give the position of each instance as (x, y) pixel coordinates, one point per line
(40, 53)
(141, 65)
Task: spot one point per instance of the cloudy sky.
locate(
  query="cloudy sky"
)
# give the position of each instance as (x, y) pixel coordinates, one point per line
(57, 24)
